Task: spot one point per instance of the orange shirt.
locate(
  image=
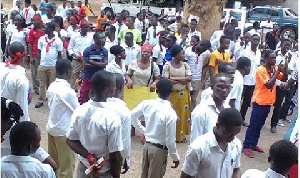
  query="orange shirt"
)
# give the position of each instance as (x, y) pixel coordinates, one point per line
(102, 19)
(224, 57)
(262, 95)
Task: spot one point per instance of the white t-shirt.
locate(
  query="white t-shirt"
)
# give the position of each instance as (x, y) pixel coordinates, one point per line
(132, 53)
(19, 36)
(237, 90)
(254, 173)
(49, 58)
(159, 52)
(194, 62)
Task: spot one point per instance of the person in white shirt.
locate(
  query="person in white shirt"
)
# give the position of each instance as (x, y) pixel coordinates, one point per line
(18, 7)
(139, 22)
(62, 101)
(118, 64)
(93, 121)
(193, 31)
(110, 41)
(216, 154)
(79, 41)
(119, 26)
(243, 67)
(153, 33)
(160, 131)
(283, 154)
(25, 139)
(182, 39)
(132, 50)
(28, 12)
(174, 27)
(256, 29)
(62, 9)
(50, 48)
(204, 116)
(159, 50)
(14, 82)
(121, 110)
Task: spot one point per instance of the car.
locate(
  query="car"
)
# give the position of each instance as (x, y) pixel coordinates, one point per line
(286, 18)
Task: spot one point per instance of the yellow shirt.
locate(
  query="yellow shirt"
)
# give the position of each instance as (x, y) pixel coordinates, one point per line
(215, 57)
(87, 9)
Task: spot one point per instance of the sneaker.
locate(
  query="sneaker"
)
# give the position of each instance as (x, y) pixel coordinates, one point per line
(39, 104)
(280, 123)
(273, 130)
(248, 152)
(258, 149)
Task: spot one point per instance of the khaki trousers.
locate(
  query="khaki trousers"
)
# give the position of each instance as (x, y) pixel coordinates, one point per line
(77, 67)
(154, 161)
(47, 75)
(34, 74)
(80, 173)
(196, 88)
(63, 155)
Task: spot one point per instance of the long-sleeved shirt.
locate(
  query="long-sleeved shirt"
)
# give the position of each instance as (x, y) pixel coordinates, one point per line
(160, 120)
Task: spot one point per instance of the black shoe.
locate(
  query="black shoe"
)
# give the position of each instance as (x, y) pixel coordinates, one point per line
(273, 130)
(39, 104)
(244, 123)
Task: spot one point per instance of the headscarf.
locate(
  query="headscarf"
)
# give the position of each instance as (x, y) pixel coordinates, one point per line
(147, 46)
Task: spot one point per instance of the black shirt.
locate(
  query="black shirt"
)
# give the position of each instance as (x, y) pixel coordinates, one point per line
(271, 40)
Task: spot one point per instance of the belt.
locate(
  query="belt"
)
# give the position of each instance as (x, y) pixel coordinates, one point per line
(158, 145)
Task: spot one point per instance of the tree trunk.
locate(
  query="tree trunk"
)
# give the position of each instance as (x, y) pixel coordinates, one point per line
(209, 13)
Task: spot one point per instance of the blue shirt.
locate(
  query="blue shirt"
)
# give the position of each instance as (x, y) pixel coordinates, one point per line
(42, 4)
(168, 56)
(91, 53)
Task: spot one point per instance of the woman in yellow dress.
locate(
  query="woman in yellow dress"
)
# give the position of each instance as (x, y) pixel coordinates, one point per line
(180, 74)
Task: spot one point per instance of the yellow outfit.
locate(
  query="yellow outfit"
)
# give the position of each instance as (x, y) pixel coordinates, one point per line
(215, 56)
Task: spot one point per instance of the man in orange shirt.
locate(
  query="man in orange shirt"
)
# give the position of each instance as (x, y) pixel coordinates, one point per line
(264, 97)
(219, 55)
(102, 21)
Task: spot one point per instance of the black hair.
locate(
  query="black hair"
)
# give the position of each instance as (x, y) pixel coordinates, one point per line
(50, 25)
(283, 154)
(116, 49)
(223, 67)
(22, 135)
(255, 35)
(100, 80)
(230, 117)
(242, 62)
(97, 34)
(284, 40)
(33, 6)
(256, 24)
(119, 81)
(155, 16)
(62, 66)
(227, 24)
(129, 33)
(196, 37)
(10, 109)
(164, 87)
(219, 75)
(223, 38)
(194, 20)
(162, 33)
(131, 17)
(59, 20)
(23, 23)
(28, 1)
(206, 43)
(50, 6)
(267, 53)
(15, 47)
(138, 14)
(176, 49)
(112, 28)
(233, 20)
(184, 26)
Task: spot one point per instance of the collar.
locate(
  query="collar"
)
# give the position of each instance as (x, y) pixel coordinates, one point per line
(97, 104)
(63, 81)
(93, 47)
(212, 141)
(210, 102)
(113, 62)
(14, 158)
(159, 100)
(17, 67)
(272, 174)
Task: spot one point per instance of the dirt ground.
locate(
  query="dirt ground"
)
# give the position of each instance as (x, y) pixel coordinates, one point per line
(40, 116)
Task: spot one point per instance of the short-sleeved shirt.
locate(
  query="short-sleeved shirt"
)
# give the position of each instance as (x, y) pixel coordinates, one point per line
(139, 76)
(224, 57)
(159, 52)
(137, 36)
(102, 19)
(91, 53)
(170, 71)
(49, 58)
(262, 95)
(33, 38)
(205, 158)
(132, 53)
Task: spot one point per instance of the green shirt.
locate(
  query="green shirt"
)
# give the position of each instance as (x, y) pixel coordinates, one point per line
(137, 37)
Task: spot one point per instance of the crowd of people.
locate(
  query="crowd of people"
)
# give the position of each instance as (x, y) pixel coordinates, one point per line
(82, 72)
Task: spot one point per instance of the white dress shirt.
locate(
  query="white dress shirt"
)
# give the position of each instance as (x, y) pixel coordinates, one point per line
(192, 34)
(115, 68)
(204, 117)
(249, 80)
(138, 25)
(159, 52)
(15, 86)
(79, 43)
(216, 35)
(255, 173)
(237, 90)
(150, 39)
(45, 19)
(205, 158)
(24, 166)
(48, 59)
(119, 27)
(160, 120)
(120, 109)
(195, 62)
(62, 101)
(62, 11)
(98, 129)
(28, 13)
(132, 53)
(108, 45)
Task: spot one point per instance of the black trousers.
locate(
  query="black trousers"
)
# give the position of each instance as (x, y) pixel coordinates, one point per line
(287, 101)
(246, 97)
(277, 106)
